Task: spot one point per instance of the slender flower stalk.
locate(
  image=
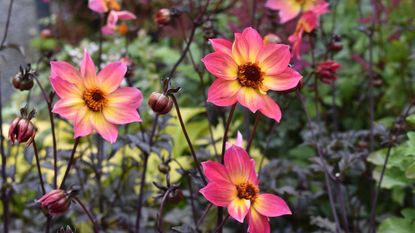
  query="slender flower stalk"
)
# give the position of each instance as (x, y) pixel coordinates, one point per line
(143, 175)
(70, 163)
(39, 170)
(88, 213)
(189, 142)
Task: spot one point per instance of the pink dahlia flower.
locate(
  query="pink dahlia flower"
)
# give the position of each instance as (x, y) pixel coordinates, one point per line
(307, 23)
(235, 186)
(246, 69)
(94, 102)
(289, 9)
(113, 18)
(102, 6)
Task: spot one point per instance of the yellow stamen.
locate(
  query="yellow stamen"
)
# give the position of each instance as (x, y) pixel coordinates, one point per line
(94, 99)
(247, 191)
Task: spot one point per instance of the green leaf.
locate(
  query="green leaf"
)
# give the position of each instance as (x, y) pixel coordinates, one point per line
(396, 225)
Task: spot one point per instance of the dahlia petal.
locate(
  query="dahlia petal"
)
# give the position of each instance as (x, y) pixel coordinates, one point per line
(296, 40)
(271, 109)
(286, 80)
(255, 42)
(108, 30)
(88, 71)
(219, 193)
(65, 89)
(271, 205)
(106, 129)
(119, 116)
(239, 208)
(222, 45)
(221, 65)
(68, 108)
(239, 140)
(257, 223)
(287, 9)
(125, 98)
(124, 15)
(250, 98)
(240, 49)
(215, 172)
(98, 6)
(111, 76)
(65, 71)
(239, 166)
(223, 92)
(274, 58)
(83, 126)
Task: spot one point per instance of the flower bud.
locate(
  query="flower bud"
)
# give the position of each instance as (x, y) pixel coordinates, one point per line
(46, 33)
(160, 103)
(327, 70)
(335, 45)
(55, 202)
(22, 130)
(272, 38)
(163, 17)
(24, 79)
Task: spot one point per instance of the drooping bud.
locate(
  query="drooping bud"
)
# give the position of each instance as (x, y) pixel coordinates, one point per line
(160, 103)
(22, 129)
(272, 38)
(55, 202)
(327, 71)
(335, 44)
(165, 16)
(24, 79)
(209, 30)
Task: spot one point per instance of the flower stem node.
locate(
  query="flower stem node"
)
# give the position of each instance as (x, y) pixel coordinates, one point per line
(160, 103)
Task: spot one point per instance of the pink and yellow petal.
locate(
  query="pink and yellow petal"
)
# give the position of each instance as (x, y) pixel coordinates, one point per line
(111, 76)
(222, 45)
(239, 166)
(83, 125)
(271, 205)
(106, 129)
(221, 65)
(68, 108)
(240, 49)
(99, 6)
(271, 109)
(257, 223)
(219, 193)
(286, 80)
(119, 115)
(250, 98)
(255, 42)
(65, 71)
(239, 208)
(88, 72)
(215, 172)
(223, 92)
(65, 89)
(125, 98)
(274, 58)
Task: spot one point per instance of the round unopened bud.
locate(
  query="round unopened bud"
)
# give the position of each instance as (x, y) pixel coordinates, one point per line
(163, 17)
(24, 79)
(163, 168)
(272, 38)
(55, 202)
(160, 103)
(22, 130)
(176, 196)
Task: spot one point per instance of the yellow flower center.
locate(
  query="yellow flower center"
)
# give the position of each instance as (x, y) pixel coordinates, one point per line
(250, 75)
(247, 191)
(113, 5)
(94, 99)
